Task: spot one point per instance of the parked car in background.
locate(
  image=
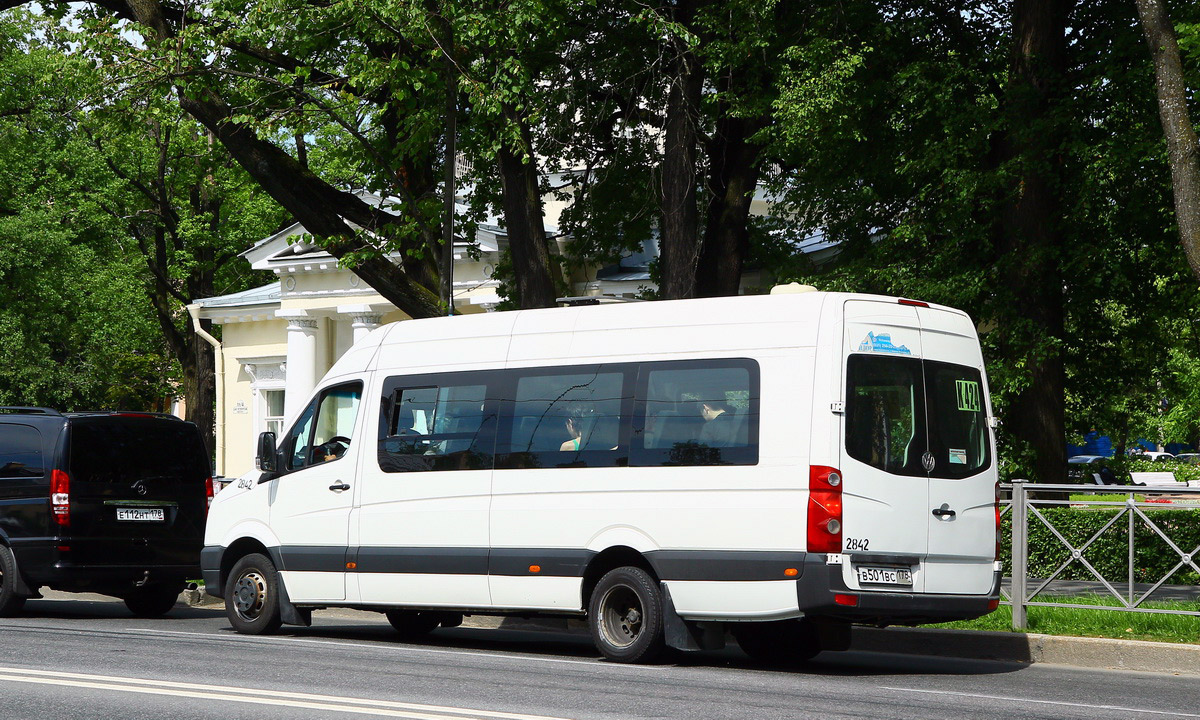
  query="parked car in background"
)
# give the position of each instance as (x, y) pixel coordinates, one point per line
(1081, 467)
(1153, 456)
(105, 502)
(1188, 458)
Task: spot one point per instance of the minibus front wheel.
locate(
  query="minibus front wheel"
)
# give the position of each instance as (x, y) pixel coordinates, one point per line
(252, 596)
(625, 616)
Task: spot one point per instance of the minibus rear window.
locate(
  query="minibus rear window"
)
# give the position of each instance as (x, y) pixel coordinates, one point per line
(899, 408)
(885, 413)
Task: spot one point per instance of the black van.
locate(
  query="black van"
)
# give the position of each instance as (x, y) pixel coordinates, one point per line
(104, 502)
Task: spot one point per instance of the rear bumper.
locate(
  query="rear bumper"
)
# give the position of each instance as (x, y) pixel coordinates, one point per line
(43, 563)
(820, 583)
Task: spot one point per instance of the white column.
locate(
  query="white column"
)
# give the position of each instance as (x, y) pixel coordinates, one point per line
(301, 361)
(363, 323)
(364, 318)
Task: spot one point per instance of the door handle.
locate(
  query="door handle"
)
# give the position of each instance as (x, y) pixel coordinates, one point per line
(944, 512)
(339, 486)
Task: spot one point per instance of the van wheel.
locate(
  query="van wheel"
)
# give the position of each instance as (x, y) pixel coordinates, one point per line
(252, 597)
(153, 600)
(625, 616)
(10, 602)
(414, 624)
(780, 642)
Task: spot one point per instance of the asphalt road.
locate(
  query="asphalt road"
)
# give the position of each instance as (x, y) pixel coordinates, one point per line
(92, 659)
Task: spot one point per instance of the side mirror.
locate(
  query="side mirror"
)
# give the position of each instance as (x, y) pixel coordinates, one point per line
(266, 459)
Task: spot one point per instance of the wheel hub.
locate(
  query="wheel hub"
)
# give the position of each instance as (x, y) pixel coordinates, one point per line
(249, 593)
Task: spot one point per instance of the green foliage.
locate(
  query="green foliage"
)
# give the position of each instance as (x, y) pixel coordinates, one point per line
(98, 186)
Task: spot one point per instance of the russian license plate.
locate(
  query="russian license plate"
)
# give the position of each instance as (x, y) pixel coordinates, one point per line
(141, 514)
(884, 575)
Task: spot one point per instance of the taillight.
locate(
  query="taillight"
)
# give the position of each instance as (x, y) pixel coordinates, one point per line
(60, 497)
(824, 509)
(999, 533)
(208, 492)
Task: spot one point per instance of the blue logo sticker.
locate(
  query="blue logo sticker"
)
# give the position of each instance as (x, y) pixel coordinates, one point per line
(882, 343)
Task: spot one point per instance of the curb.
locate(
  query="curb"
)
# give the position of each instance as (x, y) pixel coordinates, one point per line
(1021, 648)
(1029, 648)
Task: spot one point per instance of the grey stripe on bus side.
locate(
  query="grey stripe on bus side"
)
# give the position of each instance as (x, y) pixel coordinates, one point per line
(694, 565)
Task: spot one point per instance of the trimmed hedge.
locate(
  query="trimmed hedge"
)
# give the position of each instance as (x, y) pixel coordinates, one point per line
(1109, 554)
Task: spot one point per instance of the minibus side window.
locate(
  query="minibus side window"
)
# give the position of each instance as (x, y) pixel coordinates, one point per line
(567, 417)
(702, 412)
(436, 427)
(325, 428)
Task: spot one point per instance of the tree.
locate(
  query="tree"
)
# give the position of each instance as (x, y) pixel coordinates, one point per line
(75, 328)
(1183, 147)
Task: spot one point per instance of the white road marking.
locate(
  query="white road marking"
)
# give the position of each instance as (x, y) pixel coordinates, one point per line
(256, 696)
(362, 646)
(1117, 708)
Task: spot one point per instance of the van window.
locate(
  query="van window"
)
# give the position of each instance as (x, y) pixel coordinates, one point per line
(885, 413)
(436, 427)
(702, 412)
(958, 437)
(569, 417)
(325, 428)
(898, 408)
(20, 452)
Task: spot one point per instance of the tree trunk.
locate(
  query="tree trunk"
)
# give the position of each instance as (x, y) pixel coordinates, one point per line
(1183, 148)
(200, 386)
(679, 244)
(733, 175)
(524, 223)
(1030, 237)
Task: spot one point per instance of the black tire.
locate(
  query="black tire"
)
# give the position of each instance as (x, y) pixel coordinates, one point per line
(625, 616)
(252, 596)
(782, 642)
(153, 600)
(416, 624)
(10, 602)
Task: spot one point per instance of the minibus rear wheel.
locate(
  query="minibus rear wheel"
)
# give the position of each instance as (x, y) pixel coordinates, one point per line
(252, 596)
(10, 602)
(625, 616)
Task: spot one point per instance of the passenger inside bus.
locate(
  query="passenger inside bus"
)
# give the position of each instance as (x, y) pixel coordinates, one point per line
(720, 425)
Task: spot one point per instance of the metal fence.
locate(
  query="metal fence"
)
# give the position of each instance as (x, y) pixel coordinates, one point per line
(1026, 505)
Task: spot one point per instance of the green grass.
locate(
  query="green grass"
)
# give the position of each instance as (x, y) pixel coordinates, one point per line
(1095, 623)
(1086, 497)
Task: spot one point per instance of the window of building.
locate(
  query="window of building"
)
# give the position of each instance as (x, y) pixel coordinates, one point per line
(273, 411)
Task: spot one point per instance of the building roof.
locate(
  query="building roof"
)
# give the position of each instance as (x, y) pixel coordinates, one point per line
(265, 295)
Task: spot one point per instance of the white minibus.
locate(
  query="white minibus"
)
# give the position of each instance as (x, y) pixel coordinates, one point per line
(779, 466)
